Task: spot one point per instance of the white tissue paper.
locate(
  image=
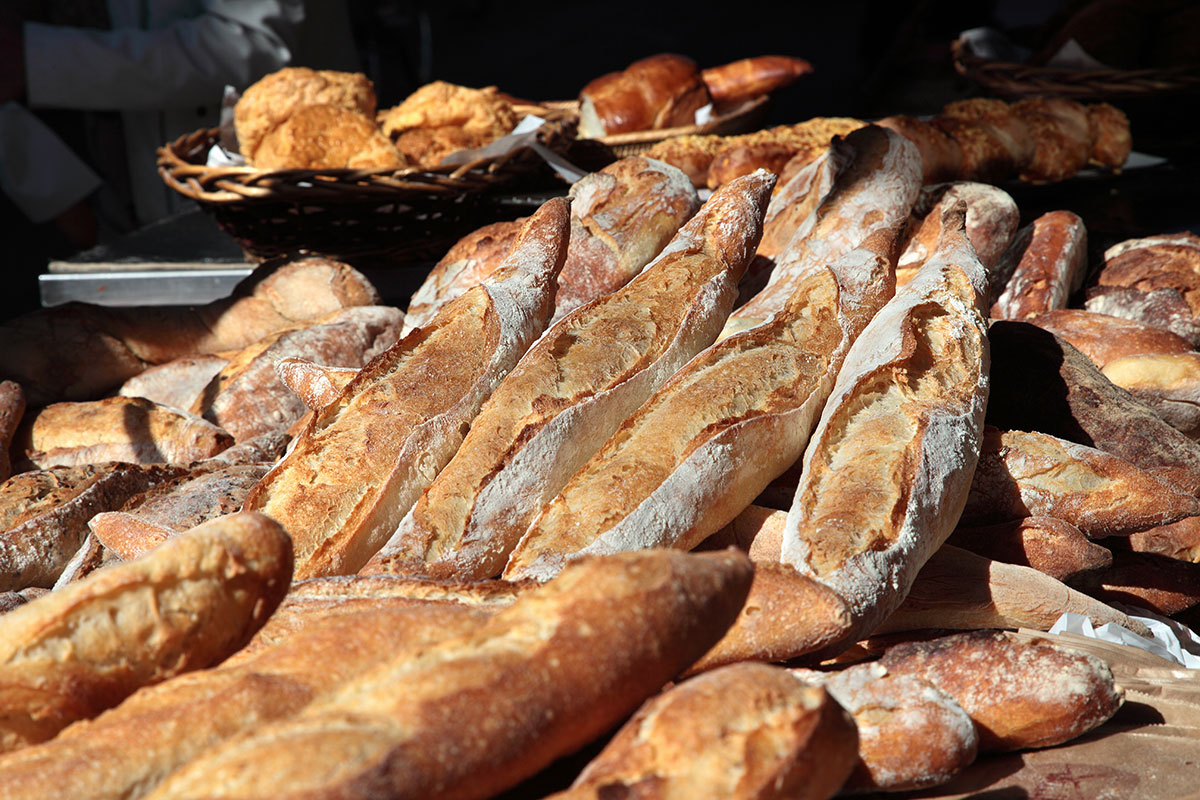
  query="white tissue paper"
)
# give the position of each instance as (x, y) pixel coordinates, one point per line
(1172, 641)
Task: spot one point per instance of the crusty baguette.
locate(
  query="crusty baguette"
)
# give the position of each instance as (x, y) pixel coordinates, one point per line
(560, 666)
(911, 734)
(79, 351)
(1042, 383)
(1179, 540)
(128, 535)
(125, 752)
(1104, 338)
(316, 385)
(941, 155)
(992, 219)
(12, 409)
(1022, 473)
(1050, 545)
(1045, 266)
(129, 429)
(1019, 693)
(247, 398)
(573, 389)
(1168, 383)
(728, 422)
(362, 461)
(87, 646)
(962, 591)
(875, 192)
(743, 732)
(44, 514)
(179, 382)
(888, 469)
(749, 78)
(661, 91)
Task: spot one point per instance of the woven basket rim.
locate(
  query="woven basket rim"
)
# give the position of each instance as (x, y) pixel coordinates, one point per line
(744, 111)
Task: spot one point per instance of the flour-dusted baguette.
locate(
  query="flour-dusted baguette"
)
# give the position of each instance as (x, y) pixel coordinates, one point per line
(1042, 383)
(179, 382)
(79, 351)
(125, 752)
(888, 469)
(574, 388)
(87, 646)
(728, 422)
(875, 192)
(44, 514)
(247, 398)
(315, 384)
(1045, 266)
(12, 409)
(129, 429)
(963, 591)
(1050, 545)
(744, 732)
(793, 203)
(911, 734)
(1019, 693)
(1165, 309)
(559, 667)
(362, 461)
(1023, 473)
(992, 218)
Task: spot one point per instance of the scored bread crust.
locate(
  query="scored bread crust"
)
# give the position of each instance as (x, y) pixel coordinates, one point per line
(362, 461)
(1046, 270)
(564, 663)
(187, 605)
(888, 468)
(573, 389)
(726, 424)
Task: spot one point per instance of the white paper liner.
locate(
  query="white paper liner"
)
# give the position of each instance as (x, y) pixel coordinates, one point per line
(1172, 640)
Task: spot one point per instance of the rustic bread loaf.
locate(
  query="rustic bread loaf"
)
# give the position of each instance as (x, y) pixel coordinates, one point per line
(573, 389)
(661, 91)
(1104, 338)
(362, 461)
(1168, 383)
(998, 123)
(1179, 540)
(941, 155)
(793, 203)
(1050, 545)
(1164, 585)
(315, 384)
(1019, 693)
(889, 466)
(1166, 261)
(1108, 128)
(911, 734)
(12, 409)
(79, 351)
(1044, 266)
(1061, 136)
(87, 646)
(746, 731)
(728, 422)
(178, 382)
(748, 78)
(559, 667)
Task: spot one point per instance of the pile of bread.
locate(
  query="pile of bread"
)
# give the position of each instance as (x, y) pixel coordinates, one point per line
(1040, 140)
(705, 475)
(299, 118)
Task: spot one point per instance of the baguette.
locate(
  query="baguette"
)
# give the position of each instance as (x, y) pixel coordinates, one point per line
(178, 720)
(888, 469)
(744, 732)
(362, 461)
(727, 423)
(1166, 586)
(129, 429)
(84, 648)
(1104, 338)
(1179, 540)
(739, 81)
(793, 203)
(1052, 546)
(573, 389)
(1168, 383)
(1020, 693)
(316, 385)
(179, 382)
(127, 535)
(560, 666)
(875, 192)
(12, 409)
(911, 735)
(1045, 266)
(941, 155)
(79, 351)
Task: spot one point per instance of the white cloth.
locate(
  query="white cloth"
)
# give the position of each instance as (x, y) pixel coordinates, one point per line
(163, 66)
(27, 145)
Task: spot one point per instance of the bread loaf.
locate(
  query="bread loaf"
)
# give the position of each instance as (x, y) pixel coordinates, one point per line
(749, 78)
(560, 666)
(1104, 338)
(1028, 473)
(1020, 694)
(1166, 261)
(191, 603)
(1179, 540)
(12, 409)
(363, 460)
(1008, 135)
(1108, 128)
(315, 384)
(1164, 585)
(127, 535)
(572, 391)
(1048, 544)
(327, 137)
(177, 383)
(911, 734)
(79, 351)
(1061, 136)
(889, 466)
(793, 203)
(727, 423)
(941, 155)
(661, 91)
(1049, 265)
(1168, 383)
(746, 731)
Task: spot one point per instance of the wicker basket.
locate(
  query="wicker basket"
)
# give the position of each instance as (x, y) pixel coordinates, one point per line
(376, 216)
(746, 117)
(1026, 80)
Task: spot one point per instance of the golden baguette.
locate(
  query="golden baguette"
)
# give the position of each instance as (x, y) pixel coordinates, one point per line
(316, 385)
(566, 662)
(888, 469)
(574, 388)
(188, 605)
(742, 732)
(125, 752)
(726, 424)
(361, 462)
